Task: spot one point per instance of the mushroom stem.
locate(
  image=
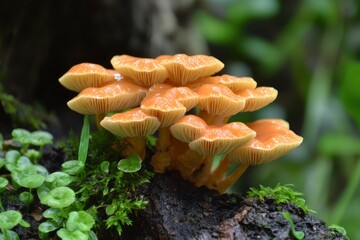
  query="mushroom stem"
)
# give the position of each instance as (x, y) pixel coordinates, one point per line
(218, 173)
(98, 118)
(134, 145)
(201, 176)
(187, 163)
(206, 117)
(230, 180)
(213, 119)
(161, 159)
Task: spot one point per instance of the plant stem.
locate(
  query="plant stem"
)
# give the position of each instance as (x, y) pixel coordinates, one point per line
(84, 140)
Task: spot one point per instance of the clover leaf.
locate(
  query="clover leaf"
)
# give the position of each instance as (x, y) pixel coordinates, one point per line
(9, 219)
(21, 135)
(59, 197)
(72, 167)
(130, 164)
(59, 179)
(40, 138)
(80, 220)
(48, 226)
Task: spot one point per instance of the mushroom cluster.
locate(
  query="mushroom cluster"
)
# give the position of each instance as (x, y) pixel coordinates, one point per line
(179, 98)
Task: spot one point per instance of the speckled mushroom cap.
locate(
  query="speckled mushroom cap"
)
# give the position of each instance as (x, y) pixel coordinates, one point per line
(133, 123)
(217, 99)
(188, 128)
(222, 139)
(257, 98)
(112, 97)
(86, 75)
(183, 69)
(144, 71)
(273, 139)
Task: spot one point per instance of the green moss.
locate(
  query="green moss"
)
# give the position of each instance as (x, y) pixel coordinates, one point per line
(281, 194)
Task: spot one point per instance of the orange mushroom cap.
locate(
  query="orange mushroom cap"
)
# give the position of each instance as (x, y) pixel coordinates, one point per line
(133, 123)
(86, 75)
(273, 139)
(112, 97)
(257, 98)
(184, 95)
(183, 69)
(144, 71)
(217, 99)
(234, 83)
(188, 128)
(168, 111)
(222, 139)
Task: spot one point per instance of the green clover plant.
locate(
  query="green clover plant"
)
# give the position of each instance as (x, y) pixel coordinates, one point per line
(73, 192)
(8, 220)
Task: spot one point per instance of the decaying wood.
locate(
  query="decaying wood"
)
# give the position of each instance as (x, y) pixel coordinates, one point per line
(178, 210)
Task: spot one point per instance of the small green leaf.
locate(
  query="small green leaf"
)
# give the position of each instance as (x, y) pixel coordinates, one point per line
(51, 213)
(92, 236)
(84, 140)
(21, 135)
(26, 197)
(33, 154)
(72, 167)
(31, 181)
(338, 229)
(3, 183)
(151, 141)
(41, 138)
(110, 210)
(59, 179)
(48, 226)
(9, 219)
(24, 223)
(130, 164)
(59, 197)
(10, 235)
(297, 234)
(80, 220)
(65, 234)
(104, 166)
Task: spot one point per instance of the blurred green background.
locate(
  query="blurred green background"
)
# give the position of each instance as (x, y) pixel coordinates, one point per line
(309, 50)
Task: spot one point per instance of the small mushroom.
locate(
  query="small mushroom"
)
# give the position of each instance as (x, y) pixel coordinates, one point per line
(132, 125)
(217, 101)
(219, 140)
(116, 96)
(183, 69)
(257, 98)
(144, 71)
(168, 111)
(273, 139)
(183, 95)
(187, 129)
(86, 75)
(234, 83)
